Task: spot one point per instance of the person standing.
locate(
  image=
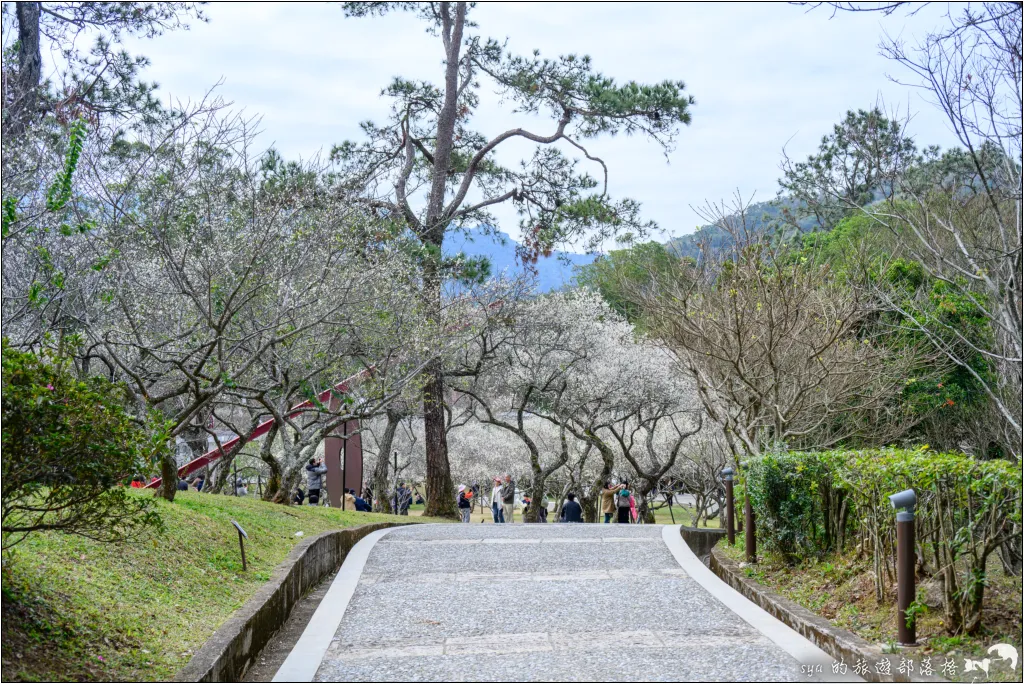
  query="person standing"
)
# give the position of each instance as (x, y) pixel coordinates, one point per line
(572, 512)
(608, 501)
(508, 499)
(622, 499)
(496, 510)
(404, 499)
(315, 470)
(465, 504)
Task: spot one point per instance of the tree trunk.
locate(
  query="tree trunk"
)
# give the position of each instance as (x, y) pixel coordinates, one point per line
(380, 472)
(283, 495)
(274, 479)
(537, 488)
(30, 65)
(168, 476)
(440, 495)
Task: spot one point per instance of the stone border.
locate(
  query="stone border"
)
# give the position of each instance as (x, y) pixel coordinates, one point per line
(701, 540)
(811, 659)
(308, 652)
(841, 644)
(229, 652)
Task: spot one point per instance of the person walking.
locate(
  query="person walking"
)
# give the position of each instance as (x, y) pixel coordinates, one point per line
(608, 501)
(508, 499)
(572, 512)
(465, 504)
(496, 510)
(622, 499)
(315, 470)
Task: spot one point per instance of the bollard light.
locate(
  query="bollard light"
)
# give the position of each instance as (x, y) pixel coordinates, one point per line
(730, 510)
(904, 503)
(907, 500)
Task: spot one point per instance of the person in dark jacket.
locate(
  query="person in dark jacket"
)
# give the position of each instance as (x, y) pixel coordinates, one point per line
(314, 479)
(571, 511)
(508, 499)
(182, 485)
(465, 505)
(362, 504)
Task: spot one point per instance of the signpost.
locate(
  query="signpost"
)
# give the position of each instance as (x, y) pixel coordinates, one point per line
(242, 536)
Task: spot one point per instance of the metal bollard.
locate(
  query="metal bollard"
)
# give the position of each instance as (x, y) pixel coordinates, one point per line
(749, 531)
(906, 590)
(730, 510)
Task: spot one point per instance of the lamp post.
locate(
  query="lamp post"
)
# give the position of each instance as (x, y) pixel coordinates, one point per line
(749, 530)
(730, 510)
(904, 502)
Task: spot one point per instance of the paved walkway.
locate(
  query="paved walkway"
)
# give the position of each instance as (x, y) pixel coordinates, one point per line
(540, 603)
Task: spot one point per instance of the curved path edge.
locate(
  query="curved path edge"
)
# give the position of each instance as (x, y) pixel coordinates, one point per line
(785, 637)
(305, 658)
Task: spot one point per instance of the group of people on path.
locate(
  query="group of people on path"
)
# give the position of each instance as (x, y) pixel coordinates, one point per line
(503, 497)
(618, 502)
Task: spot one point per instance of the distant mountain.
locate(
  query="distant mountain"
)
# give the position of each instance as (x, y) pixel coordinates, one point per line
(760, 216)
(552, 272)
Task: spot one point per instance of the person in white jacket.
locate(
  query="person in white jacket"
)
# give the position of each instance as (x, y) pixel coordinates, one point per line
(496, 511)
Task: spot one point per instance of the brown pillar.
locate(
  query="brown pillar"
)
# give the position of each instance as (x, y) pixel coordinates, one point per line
(749, 531)
(730, 513)
(905, 584)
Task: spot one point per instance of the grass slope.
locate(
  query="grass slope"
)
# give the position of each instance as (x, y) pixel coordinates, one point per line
(74, 609)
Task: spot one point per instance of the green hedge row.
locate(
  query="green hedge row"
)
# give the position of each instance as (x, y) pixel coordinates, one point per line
(813, 503)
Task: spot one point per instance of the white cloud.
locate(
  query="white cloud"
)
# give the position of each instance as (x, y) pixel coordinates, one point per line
(764, 75)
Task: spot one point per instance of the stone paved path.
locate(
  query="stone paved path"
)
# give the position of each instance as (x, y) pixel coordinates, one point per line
(542, 603)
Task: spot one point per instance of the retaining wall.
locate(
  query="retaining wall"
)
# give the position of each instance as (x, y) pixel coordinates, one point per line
(229, 652)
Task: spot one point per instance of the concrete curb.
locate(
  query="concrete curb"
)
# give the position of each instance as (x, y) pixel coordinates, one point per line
(811, 659)
(841, 644)
(307, 654)
(229, 652)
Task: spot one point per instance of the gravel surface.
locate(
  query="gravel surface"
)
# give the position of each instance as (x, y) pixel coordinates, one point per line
(540, 603)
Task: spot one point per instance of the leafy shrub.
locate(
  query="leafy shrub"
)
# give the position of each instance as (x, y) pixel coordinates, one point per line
(68, 446)
(791, 494)
(968, 509)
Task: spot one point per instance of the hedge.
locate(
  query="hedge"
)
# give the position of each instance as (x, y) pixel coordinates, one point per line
(813, 503)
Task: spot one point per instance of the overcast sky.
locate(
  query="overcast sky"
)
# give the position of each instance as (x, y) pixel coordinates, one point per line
(764, 76)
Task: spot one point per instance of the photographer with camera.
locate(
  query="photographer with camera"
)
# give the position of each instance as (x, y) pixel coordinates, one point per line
(314, 479)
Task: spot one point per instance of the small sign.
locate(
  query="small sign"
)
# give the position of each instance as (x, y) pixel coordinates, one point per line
(240, 530)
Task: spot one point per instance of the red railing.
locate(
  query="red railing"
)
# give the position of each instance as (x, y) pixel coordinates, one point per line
(264, 427)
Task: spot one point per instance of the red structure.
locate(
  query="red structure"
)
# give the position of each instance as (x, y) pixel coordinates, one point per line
(328, 396)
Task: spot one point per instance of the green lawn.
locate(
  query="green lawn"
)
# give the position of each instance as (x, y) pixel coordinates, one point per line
(75, 609)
